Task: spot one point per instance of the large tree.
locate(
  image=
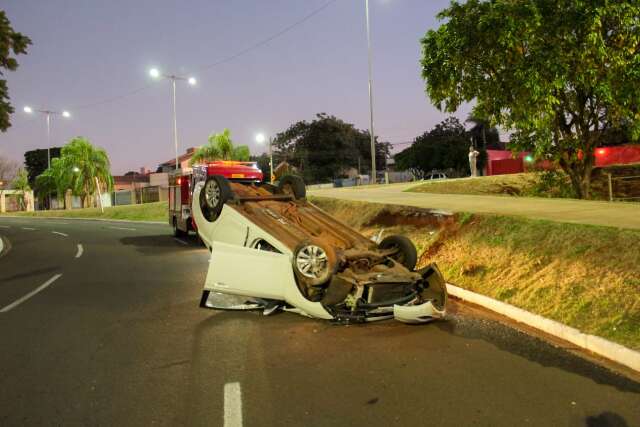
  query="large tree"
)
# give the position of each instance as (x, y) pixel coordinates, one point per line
(21, 184)
(8, 170)
(11, 43)
(558, 73)
(80, 168)
(445, 147)
(36, 161)
(327, 147)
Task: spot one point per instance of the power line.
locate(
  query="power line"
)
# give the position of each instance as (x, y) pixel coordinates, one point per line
(217, 63)
(270, 38)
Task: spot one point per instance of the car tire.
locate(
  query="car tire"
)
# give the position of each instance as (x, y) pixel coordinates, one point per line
(306, 257)
(293, 185)
(406, 254)
(215, 193)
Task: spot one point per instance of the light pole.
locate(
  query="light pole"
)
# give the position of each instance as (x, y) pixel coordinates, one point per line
(260, 139)
(370, 54)
(48, 114)
(155, 73)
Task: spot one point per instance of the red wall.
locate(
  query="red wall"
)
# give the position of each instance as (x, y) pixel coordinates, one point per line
(619, 155)
(501, 162)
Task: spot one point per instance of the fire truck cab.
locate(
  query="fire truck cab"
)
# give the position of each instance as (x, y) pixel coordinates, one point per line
(182, 182)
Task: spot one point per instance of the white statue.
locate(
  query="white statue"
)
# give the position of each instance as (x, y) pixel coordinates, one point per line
(473, 161)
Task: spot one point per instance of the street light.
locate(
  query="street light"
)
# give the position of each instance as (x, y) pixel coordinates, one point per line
(373, 140)
(260, 139)
(48, 114)
(156, 74)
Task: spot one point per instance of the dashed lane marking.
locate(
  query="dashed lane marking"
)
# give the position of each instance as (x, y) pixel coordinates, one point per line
(180, 240)
(28, 228)
(80, 251)
(30, 294)
(60, 234)
(232, 405)
(123, 228)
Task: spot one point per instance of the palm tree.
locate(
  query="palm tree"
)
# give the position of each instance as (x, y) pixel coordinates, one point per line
(220, 147)
(83, 166)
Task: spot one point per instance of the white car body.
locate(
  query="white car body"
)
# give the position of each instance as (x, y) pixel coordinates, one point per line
(238, 267)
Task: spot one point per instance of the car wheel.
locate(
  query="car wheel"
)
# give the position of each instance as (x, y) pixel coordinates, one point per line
(405, 253)
(312, 264)
(292, 185)
(215, 193)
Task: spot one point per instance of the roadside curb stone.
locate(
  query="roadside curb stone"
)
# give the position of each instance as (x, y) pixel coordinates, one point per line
(600, 346)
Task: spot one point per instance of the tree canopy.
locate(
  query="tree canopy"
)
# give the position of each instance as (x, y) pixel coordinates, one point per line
(79, 166)
(444, 148)
(36, 161)
(559, 74)
(11, 43)
(327, 147)
(220, 147)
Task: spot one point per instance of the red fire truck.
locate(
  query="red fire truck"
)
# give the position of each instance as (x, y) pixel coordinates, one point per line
(182, 181)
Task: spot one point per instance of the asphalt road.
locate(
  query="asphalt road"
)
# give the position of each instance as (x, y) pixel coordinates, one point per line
(118, 339)
(622, 215)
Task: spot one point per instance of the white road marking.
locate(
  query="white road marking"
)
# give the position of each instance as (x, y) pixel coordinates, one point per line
(232, 405)
(4, 226)
(30, 294)
(28, 228)
(180, 240)
(60, 234)
(123, 228)
(80, 251)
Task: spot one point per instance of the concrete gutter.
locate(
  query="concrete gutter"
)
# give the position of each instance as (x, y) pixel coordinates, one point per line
(600, 346)
(65, 218)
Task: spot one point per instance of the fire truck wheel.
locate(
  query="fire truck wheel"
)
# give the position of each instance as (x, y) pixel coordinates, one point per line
(293, 185)
(214, 195)
(176, 231)
(405, 254)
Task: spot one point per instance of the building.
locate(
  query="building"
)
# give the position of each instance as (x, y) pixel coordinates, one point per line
(184, 160)
(130, 182)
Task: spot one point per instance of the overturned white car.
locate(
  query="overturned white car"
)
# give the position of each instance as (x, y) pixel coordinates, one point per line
(275, 249)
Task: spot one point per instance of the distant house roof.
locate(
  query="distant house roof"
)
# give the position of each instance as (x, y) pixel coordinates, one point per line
(186, 156)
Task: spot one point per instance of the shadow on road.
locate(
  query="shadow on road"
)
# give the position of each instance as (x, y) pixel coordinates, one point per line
(534, 349)
(160, 244)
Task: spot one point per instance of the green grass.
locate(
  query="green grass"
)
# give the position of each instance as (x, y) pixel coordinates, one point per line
(583, 276)
(509, 185)
(145, 212)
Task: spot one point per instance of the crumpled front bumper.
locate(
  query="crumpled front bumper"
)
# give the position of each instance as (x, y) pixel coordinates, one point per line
(420, 313)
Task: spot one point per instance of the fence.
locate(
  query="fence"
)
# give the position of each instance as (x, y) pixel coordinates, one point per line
(139, 196)
(624, 187)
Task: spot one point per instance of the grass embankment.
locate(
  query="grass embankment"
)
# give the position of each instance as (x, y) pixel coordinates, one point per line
(587, 277)
(145, 212)
(626, 184)
(512, 185)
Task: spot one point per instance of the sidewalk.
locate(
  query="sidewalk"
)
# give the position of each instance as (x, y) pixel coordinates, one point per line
(622, 215)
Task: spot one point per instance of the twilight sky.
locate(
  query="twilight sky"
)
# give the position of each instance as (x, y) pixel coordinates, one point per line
(87, 51)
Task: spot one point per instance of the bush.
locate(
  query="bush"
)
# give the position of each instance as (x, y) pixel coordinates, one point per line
(553, 183)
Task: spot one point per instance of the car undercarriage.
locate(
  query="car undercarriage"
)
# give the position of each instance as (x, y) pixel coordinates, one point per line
(301, 257)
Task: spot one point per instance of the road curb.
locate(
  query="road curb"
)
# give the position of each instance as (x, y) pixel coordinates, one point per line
(600, 346)
(65, 218)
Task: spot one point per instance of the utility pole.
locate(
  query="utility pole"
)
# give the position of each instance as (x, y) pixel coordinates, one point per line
(371, 131)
